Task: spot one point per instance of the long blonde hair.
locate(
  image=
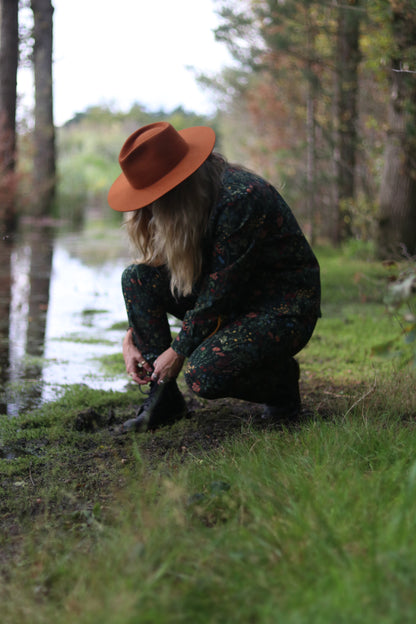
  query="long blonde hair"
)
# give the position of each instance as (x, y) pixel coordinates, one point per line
(170, 231)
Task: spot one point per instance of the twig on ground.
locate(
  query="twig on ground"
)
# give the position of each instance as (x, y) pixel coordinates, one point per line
(364, 396)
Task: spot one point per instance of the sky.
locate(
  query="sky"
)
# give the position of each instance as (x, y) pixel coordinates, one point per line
(118, 52)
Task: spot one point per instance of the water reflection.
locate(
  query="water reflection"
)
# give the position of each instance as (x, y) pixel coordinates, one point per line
(85, 305)
(56, 316)
(24, 293)
(32, 299)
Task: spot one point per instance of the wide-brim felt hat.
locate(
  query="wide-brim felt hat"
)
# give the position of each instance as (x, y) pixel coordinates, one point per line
(155, 159)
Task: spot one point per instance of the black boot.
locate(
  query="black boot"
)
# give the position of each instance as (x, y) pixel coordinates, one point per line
(164, 405)
(287, 405)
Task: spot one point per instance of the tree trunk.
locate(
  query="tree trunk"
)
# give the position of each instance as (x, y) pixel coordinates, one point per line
(311, 98)
(348, 59)
(9, 51)
(310, 161)
(397, 216)
(44, 134)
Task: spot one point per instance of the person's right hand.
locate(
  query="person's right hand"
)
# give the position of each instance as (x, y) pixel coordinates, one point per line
(136, 366)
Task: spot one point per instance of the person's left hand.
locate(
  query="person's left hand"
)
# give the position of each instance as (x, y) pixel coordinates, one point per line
(167, 366)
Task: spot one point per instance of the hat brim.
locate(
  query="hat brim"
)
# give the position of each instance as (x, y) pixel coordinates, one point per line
(122, 197)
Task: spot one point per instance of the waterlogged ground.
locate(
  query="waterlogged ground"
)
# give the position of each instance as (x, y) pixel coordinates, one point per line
(86, 320)
(66, 313)
(61, 294)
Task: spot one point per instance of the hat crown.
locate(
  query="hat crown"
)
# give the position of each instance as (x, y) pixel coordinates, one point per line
(151, 153)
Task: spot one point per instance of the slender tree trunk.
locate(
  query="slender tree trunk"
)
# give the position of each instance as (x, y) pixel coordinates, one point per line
(348, 59)
(310, 161)
(312, 89)
(9, 52)
(397, 216)
(44, 135)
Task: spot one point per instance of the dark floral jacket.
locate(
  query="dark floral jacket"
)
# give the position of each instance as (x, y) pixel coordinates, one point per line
(257, 259)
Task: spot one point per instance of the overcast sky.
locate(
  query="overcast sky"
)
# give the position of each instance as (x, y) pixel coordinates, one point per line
(125, 51)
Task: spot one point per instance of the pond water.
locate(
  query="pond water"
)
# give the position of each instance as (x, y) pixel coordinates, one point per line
(61, 310)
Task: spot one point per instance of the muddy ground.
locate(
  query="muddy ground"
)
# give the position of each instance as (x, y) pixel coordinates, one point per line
(209, 423)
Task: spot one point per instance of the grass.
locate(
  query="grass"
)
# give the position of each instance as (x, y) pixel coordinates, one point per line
(217, 519)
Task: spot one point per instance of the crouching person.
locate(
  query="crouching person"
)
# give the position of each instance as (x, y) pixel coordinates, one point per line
(218, 248)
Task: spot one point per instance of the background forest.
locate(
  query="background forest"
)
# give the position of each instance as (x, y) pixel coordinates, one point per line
(321, 99)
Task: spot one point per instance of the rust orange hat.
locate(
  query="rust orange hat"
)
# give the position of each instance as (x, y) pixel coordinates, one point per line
(154, 160)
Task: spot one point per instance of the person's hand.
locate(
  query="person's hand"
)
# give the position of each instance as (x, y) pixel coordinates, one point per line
(167, 366)
(136, 366)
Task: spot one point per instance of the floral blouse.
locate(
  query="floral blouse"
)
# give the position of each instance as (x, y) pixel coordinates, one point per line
(256, 260)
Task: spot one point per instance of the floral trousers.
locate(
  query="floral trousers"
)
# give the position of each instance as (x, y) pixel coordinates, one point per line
(246, 358)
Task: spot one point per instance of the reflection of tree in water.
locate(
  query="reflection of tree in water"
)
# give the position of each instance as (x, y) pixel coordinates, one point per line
(39, 280)
(29, 280)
